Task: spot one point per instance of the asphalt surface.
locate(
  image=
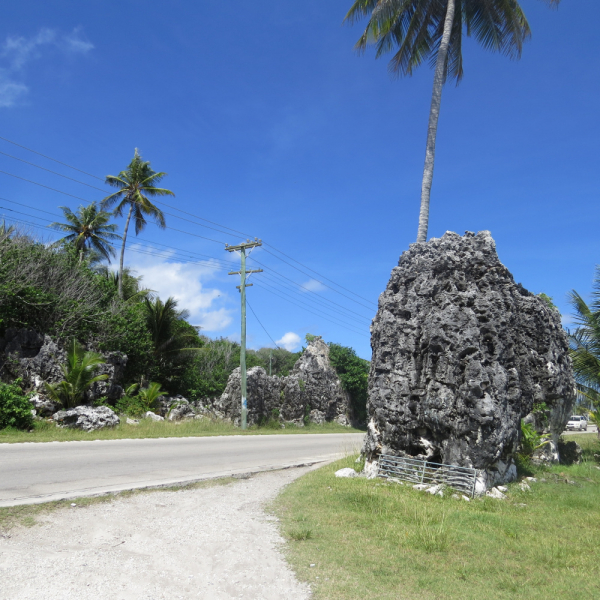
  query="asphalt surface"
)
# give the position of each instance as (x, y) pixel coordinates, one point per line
(32, 473)
(591, 429)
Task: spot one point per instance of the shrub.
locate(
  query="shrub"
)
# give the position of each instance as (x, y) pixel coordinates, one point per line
(353, 372)
(15, 408)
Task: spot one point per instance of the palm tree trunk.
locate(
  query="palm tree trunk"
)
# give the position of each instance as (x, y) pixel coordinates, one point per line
(434, 114)
(123, 250)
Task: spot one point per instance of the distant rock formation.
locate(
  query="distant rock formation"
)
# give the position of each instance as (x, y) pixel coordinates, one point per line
(460, 354)
(312, 392)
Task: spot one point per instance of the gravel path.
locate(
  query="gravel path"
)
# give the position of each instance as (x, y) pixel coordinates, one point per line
(212, 543)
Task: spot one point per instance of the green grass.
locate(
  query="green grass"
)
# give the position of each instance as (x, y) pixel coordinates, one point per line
(25, 516)
(372, 539)
(45, 431)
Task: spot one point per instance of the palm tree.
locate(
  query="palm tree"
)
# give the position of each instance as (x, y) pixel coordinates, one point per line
(165, 322)
(79, 374)
(131, 288)
(6, 231)
(135, 184)
(88, 230)
(585, 344)
(432, 30)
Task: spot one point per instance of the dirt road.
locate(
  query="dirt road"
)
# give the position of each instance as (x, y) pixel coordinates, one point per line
(214, 543)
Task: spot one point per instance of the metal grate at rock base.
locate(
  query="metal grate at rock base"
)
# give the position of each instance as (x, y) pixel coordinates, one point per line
(413, 470)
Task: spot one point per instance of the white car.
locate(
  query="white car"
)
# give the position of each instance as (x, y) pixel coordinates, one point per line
(577, 422)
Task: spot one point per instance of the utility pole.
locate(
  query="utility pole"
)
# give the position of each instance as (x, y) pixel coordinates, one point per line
(241, 248)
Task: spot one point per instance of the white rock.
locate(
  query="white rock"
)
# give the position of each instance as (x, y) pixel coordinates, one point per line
(420, 486)
(347, 472)
(395, 480)
(435, 490)
(502, 488)
(524, 487)
(132, 421)
(153, 416)
(532, 479)
(495, 493)
(455, 497)
(466, 498)
(371, 469)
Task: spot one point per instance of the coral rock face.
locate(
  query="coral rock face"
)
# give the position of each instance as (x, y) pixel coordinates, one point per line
(311, 392)
(460, 354)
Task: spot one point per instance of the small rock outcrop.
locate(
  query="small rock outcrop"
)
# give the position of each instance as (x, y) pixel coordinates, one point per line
(36, 359)
(86, 418)
(175, 408)
(312, 392)
(460, 354)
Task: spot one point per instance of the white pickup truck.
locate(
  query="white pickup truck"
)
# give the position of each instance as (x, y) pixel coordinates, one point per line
(577, 422)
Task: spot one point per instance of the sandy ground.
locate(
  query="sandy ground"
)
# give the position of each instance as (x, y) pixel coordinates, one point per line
(211, 543)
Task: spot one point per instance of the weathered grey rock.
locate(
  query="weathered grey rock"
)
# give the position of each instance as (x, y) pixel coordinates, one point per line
(132, 421)
(175, 408)
(153, 416)
(36, 359)
(114, 367)
(460, 355)
(567, 453)
(312, 391)
(495, 493)
(87, 418)
(43, 406)
(524, 486)
(347, 472)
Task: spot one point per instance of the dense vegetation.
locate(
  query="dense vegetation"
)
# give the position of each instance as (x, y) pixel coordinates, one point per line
(62, 291)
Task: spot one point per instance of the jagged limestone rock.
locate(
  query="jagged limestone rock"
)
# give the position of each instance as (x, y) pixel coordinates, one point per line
(460, 354)
(36, 359)
(87, 418)
(312, 391)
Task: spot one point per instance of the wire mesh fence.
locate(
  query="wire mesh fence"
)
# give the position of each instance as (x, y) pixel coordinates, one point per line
(413, 470)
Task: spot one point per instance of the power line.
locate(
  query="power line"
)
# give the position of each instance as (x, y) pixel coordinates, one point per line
(53, 172)
(255, 316)
(184, 255)
(327, 318)
(316, 272)
(309, 290)
(50, 158)
(178, 217)
(267, 287)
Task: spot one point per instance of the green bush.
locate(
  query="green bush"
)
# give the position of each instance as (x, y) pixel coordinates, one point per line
(131, 406)
(353, 372)
(15, 408)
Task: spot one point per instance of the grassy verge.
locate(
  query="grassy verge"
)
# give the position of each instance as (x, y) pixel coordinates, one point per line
(371, 539)
(45, 431)
(25, 516)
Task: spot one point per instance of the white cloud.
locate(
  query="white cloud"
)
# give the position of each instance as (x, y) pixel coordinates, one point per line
(290, 341)
(312, 285)
(10, 91)
(183, 281)
(17, 51)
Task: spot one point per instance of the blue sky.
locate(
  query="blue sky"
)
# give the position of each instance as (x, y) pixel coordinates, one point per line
(268, 123)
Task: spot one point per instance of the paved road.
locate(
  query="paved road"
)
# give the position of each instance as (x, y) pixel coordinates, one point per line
(34, 472)
(591, 429)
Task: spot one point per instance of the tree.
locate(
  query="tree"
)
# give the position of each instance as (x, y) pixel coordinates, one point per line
(432, 30)
(88, 230)
(79, 374)
(353, 372)
(6, 231)
(585, 345)
(169, 331)
(135, 184)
